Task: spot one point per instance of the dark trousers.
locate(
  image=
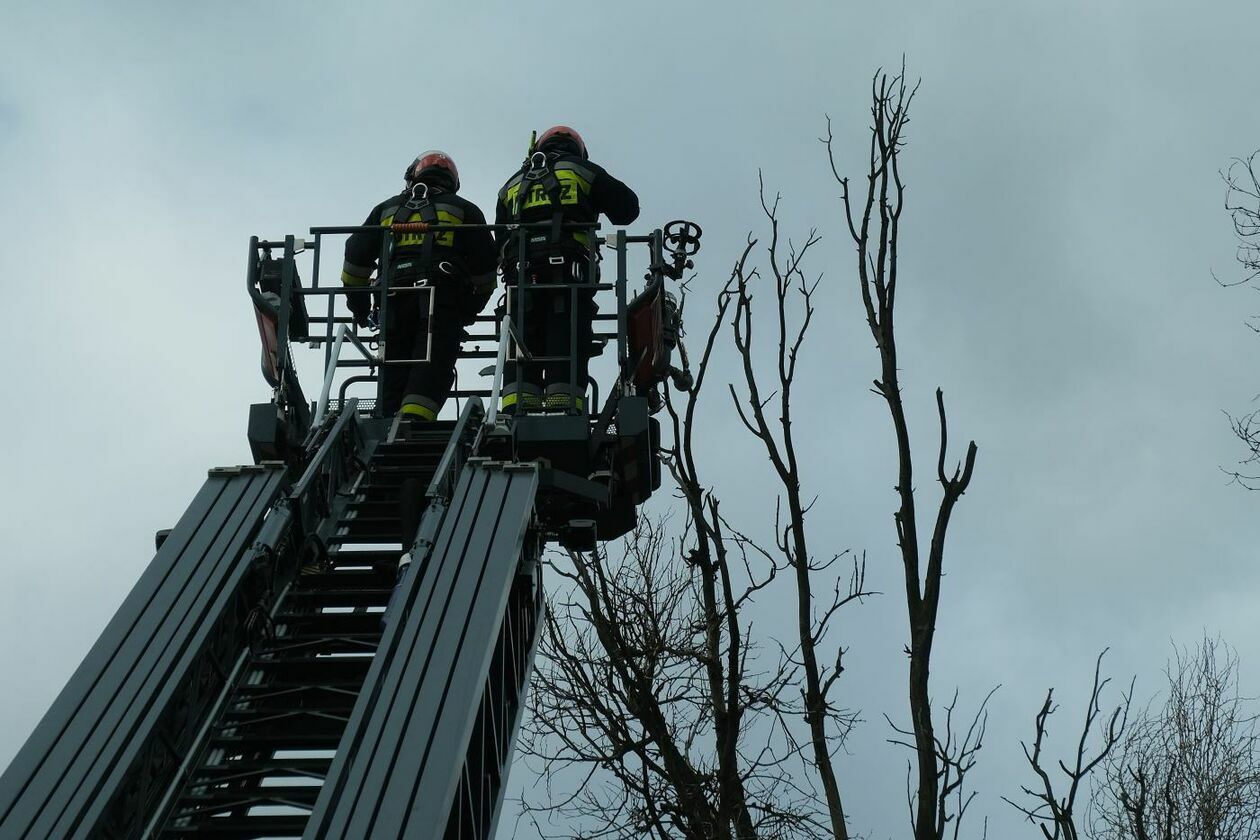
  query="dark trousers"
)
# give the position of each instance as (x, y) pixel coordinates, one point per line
(417, 328)
(547, 327)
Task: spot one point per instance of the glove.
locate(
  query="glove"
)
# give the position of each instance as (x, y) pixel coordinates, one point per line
(360, 305)
(476, 294)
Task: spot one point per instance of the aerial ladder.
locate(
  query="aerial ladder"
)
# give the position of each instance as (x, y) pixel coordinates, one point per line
(336, 640)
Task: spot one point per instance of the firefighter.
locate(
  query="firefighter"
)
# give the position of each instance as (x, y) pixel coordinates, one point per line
(456, 267)
(557, 183)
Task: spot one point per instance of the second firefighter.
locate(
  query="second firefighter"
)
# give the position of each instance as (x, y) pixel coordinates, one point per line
(557, 184)
(438, 283)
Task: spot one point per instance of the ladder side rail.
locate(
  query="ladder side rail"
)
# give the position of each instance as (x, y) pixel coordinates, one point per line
(441, 493)
(51, 729)
(177, 693)
(451, 776)
(141, 649)
(444, 645)
(273, 555)
(332, 356)
(364, 734)
(411, 666)
(107, 723)
(334, 462)
(519, 644)
(442, 485)
(333, 363)
(280, 542)
(433, 714)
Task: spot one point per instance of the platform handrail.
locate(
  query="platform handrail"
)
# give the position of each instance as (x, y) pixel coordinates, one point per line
(664, 260)
(321, 408)
(496, 387)
(443, 481)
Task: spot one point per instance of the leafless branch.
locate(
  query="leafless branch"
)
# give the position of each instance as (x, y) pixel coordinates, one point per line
(1054, 813)
(873, 218)
(1189, 768)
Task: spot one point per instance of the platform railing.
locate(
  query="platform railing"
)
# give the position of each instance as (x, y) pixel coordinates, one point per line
(334, 361)
(331, 331)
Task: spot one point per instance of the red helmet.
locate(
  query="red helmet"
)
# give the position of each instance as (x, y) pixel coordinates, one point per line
(432, 159)
(563, 131)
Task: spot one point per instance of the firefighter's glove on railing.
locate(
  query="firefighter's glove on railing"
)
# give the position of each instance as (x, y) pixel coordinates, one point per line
(360, 306)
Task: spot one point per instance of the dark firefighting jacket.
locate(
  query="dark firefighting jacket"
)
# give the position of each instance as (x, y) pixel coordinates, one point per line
(467, 255)
(560, 187)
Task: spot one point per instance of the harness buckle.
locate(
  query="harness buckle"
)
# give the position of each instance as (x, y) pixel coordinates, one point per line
(418, 201)
(537, 166)
(557, 260)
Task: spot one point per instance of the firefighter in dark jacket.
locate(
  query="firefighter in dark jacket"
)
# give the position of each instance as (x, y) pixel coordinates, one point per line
(438, 284)
(559, 184)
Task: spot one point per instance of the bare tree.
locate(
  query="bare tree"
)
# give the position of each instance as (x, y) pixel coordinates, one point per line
(1053, 808)
(818, 678)
(874, 219)
(1242, 202)
(658, 710)
(669, 716)
(1188, 769)
(1246, 427)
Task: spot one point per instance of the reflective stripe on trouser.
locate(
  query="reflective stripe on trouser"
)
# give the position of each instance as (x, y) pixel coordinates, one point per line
(547, 330)
(420, 407)
(529, 396)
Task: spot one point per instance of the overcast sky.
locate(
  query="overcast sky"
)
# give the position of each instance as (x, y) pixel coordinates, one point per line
(1063, 216)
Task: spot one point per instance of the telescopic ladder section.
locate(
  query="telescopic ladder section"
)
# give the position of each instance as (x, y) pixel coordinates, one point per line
(246, 688)
(118, 732)
(427, 753)
(261, 763)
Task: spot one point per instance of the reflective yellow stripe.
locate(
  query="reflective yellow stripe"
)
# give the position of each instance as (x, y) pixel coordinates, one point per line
(413, 410)
(572, 187)
(509, 197)
(530, 401)
(352, 280)
(355, 275)
(586, 173)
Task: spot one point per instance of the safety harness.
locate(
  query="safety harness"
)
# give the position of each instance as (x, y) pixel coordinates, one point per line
(420, 202)
(538, 168)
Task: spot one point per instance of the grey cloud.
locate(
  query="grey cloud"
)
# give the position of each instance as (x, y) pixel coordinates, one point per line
(9, 119)
(1063, 214)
